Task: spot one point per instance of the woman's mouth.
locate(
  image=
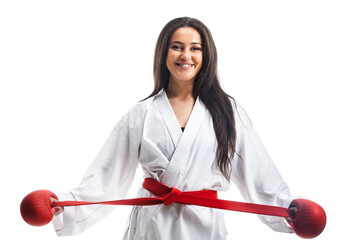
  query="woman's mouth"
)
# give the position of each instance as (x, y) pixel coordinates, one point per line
(184, 65)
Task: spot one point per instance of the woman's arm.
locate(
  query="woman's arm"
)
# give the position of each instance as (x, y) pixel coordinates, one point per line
(255, 174)
(109, 177)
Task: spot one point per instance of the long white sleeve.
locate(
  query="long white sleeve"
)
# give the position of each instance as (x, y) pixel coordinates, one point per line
(255, 174)
(108, 178)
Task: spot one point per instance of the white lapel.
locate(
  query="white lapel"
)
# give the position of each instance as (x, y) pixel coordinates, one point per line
(169, 117)
(182, 140)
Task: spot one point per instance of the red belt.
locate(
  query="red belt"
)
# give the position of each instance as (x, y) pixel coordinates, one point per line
(204, 198)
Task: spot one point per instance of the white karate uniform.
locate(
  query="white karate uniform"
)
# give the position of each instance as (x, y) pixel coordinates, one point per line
(149, 134)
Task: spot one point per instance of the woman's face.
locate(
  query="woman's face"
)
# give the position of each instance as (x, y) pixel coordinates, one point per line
(184, 58)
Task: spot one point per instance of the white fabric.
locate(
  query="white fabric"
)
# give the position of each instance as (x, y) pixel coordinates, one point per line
(149, 134)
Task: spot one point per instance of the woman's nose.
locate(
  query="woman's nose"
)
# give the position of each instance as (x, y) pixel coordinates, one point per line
(185, 55)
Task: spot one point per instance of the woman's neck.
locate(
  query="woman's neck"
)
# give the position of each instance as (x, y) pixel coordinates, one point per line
(180, 90)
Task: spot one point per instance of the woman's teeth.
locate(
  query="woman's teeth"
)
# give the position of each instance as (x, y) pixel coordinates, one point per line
(184, 65)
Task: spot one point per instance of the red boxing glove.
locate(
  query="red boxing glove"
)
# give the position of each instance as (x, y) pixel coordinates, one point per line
(35, 208)
(310, 219)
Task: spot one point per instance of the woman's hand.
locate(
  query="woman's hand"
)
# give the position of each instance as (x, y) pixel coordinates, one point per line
(292, 211)
(56, 210)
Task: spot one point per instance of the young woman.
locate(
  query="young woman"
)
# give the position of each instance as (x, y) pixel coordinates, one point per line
(188, 134)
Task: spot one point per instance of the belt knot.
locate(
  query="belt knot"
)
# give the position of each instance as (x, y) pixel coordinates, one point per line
(171, 197)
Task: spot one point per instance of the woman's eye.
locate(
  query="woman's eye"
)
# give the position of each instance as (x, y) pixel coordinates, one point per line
(197, 48)
(175, 47)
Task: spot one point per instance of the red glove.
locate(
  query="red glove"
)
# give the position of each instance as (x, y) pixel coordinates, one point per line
(310, 219)
(35, 208)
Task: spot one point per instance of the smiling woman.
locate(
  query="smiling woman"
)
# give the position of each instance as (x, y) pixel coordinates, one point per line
(217, 145)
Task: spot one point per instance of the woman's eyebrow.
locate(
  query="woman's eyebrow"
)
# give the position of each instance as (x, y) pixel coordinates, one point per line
(178, 42)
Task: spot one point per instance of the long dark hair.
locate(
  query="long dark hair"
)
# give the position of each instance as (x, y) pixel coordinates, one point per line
(206, 87)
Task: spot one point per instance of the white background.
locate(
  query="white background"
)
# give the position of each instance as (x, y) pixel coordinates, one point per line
(70, 69)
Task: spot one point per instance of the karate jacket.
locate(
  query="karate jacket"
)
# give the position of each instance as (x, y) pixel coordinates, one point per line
(149, 135)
